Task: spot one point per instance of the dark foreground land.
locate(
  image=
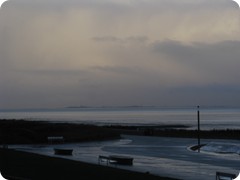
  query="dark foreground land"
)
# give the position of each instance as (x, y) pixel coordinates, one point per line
(177, 131)
(35, 132)
(18, 165)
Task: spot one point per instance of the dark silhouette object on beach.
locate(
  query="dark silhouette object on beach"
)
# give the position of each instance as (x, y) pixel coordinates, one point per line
(59, 151)
(122, 160)
(116, 159)
(223, 175)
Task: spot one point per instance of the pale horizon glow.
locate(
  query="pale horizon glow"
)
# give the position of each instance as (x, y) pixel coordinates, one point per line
(58, 53)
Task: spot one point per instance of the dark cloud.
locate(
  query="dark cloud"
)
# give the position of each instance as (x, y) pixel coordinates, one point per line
(216, 61)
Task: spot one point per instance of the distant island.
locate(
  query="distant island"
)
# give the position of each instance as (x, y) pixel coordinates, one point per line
(129, 106)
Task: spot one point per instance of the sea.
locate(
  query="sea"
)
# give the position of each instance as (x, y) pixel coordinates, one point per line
(208, 117)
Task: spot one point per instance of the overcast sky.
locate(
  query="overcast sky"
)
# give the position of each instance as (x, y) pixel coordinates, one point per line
(57, 53)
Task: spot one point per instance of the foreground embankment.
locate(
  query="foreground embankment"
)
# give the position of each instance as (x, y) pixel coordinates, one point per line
(16, 165)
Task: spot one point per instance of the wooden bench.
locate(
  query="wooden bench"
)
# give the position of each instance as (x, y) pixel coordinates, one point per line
(55, 139)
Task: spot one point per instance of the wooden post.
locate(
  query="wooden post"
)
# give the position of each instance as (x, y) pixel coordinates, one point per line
(198, 115)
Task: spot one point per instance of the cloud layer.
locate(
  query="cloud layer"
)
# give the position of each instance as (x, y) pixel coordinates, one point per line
(149, 52)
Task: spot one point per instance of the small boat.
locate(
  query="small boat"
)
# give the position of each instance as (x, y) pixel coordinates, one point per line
(123, 160)
(59, 151)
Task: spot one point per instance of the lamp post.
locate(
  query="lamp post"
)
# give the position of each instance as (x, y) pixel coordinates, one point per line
(198, 118)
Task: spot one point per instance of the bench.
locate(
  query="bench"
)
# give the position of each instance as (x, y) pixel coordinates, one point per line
(55, 139)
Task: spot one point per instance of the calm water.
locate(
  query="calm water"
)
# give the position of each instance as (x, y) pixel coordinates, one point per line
(210, 118)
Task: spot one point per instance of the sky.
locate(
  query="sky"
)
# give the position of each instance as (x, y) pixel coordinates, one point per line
(58, 53)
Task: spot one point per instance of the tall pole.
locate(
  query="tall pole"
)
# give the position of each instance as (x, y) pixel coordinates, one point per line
(198, 115)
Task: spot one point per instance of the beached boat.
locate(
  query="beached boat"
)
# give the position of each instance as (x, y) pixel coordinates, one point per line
(59, 151)
(116, 159)
(123, 160)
